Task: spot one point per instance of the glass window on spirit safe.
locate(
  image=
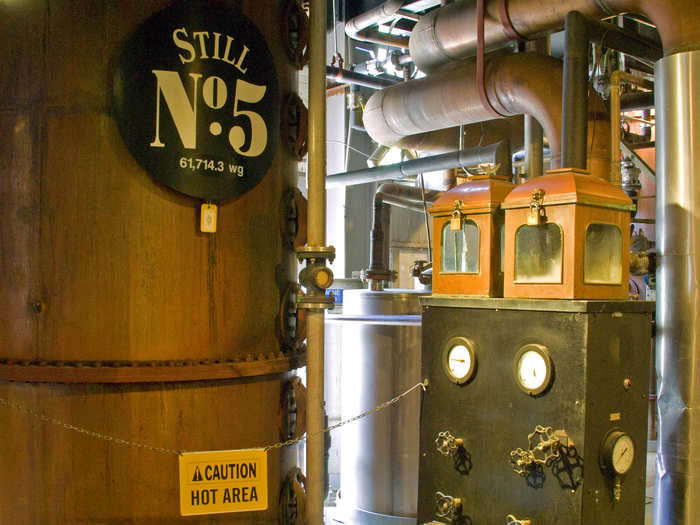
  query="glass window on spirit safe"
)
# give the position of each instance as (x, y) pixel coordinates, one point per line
(603, 255)
(460, 248)
(538, 254)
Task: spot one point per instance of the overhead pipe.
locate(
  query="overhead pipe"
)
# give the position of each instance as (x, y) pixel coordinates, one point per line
(474, 135)
(496, 153)
(398, 195)
(440, 36)
(637, 101)
(516, 84)
(362, 26)
(343, 76)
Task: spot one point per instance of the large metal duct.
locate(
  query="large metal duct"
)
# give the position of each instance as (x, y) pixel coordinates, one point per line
(677, 84)
(474, 135)
(449, 34)
(516, 84)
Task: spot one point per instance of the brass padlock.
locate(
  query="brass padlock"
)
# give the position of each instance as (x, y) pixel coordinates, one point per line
(537, 215)
(456, 220)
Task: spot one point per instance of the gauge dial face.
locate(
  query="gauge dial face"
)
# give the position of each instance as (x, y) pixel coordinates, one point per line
(533, 369)
(622, 454)
(459, 360)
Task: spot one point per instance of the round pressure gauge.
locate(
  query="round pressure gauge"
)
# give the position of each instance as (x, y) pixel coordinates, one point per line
(459, 360)
(533, 369)
(617, 452)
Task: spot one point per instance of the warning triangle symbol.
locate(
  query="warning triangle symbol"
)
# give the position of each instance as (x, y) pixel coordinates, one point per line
(197, 475)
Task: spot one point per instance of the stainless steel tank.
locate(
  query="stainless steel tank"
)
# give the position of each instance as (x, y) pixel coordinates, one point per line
(333, 365)
(380, 358)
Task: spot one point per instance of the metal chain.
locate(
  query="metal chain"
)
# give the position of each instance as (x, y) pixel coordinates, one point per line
(125, 442)
(423, 384)
(81, 430)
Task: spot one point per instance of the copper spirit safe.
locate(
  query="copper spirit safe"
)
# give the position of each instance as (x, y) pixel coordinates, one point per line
(536, 411)
(567, 237)
(468, 227)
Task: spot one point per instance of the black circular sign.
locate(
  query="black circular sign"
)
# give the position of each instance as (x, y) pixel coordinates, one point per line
(196, 100)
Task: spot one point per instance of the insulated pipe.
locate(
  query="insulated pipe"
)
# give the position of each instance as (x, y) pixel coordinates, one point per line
(474, 135)
(516, 84)
(360, 27)
(496, 153)
(448, 34)
(677, 88)
(316, 237)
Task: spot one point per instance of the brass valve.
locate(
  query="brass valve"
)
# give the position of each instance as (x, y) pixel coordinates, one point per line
(447, 444)
(447, 506)
(512, 520)
(544, 446)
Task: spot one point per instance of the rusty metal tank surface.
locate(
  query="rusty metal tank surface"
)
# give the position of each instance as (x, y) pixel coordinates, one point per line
(101, 264)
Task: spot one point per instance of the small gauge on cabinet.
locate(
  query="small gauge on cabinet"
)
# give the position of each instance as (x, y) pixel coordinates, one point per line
(617, 453)
(459, 360)
(533, 369)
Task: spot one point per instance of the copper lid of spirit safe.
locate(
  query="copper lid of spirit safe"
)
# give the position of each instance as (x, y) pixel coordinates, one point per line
(468, 227)
(567, 237)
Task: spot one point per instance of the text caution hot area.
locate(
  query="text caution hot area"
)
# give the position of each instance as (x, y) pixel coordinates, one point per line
(223, 481)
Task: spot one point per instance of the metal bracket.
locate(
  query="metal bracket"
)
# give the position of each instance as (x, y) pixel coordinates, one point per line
(293, 409)
(294, 125)
(295, 30)
(292, 503)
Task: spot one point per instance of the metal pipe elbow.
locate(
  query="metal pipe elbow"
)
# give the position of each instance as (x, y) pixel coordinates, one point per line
(516, 84)
(358, 28)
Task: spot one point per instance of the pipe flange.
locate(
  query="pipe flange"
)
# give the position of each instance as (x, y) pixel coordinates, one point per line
(378, 275)
(315, 252)
(316, 302)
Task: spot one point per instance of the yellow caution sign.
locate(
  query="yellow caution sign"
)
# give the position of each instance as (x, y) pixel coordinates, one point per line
(223, 481)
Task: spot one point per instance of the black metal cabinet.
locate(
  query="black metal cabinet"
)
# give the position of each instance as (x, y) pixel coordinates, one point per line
(599, 355)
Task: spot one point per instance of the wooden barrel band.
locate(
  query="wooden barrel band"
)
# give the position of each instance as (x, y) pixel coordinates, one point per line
(51, 371)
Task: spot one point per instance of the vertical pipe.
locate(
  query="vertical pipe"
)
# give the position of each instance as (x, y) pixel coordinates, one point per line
(574, 127)
(615, 175)
(677, 88)
(317, 127)
(615, 80)
(534, 144)
(533, 133)
(315, 467)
